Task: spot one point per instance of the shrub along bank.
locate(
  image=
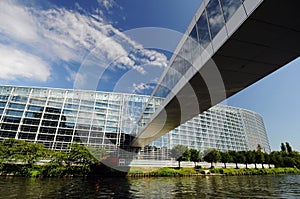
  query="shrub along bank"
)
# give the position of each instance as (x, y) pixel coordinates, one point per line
(172, 172)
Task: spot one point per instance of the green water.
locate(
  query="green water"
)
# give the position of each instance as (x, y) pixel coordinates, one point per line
(281, 186)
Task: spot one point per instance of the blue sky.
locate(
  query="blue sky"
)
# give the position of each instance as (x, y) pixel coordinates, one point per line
(99, 44)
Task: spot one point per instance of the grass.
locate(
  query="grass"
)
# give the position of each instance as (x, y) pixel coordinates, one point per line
(170, 172)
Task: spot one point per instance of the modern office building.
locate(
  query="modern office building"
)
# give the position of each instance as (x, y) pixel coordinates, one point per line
(221, 127)
(58, 117)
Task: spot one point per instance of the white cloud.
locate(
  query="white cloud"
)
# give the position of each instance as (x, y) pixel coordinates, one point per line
(108, 4)
(17, 21)
(58, 34)
(139, 88)
(15, 64)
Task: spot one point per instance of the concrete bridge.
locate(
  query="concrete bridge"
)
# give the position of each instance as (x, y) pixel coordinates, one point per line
(228, 46)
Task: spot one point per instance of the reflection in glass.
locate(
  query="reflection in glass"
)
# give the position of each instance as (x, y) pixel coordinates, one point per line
(215, 17)
(203, 30)
(229, 7)
(194, 33)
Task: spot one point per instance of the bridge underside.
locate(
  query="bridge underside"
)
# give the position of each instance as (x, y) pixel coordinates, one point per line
(266, 41)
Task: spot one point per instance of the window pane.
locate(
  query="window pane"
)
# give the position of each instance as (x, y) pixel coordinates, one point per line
(19, 99)
(194, 33)
(229, 7)
(2, 104)
(215, 17)
(14, 113)
(203, 30)
(17, 106)
(35, 108)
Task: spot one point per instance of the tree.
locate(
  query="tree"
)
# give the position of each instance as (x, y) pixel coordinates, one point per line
(267, 159)
(259, 158)
(225, 158)
(249, 157)
(283, 148)
(212, 156)
(234, 157)
(79, 154)
(19, 150)
(288, 147)
(180, 153)
(195, 156)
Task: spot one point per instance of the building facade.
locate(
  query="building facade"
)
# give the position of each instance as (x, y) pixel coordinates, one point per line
(58, 117)
(221, 127)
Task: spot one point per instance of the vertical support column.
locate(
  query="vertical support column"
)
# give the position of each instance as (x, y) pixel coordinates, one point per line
(24, 114)
(92, 119)
(59, 120)
(42, 116)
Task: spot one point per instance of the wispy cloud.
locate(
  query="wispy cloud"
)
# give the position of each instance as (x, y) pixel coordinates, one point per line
(108, 4)
(141, 88)
(56, 34)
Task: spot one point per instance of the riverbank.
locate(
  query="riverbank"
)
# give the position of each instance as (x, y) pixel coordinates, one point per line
(173, 172)
(50, 170)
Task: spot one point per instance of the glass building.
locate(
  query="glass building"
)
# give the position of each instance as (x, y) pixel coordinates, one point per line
(58, 117)
(221, 127)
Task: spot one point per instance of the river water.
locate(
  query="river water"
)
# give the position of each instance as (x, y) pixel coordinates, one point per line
(281, 186)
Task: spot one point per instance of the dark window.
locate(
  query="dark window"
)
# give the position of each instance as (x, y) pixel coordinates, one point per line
(7, 134)
(31, 121)
(11, 127)
(65, 132)
(12, 119)
(47, 130)
(27, 128)
(45, 137)
(28, 136)
(63, 138)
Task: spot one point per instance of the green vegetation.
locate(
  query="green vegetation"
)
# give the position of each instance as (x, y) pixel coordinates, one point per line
(181, 153)
(18, 157)
(171, 172)
(287, 157)
(212, 156)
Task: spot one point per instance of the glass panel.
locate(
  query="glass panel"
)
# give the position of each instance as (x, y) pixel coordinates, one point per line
(35, 108)
(17, 106)
(194, 33)
(21, 90)
(162, 91)
(229, 7)
(4, 97)
(2, 104)
(12, 119)
(39, 102)
(19, 99)
(14, 113)
(5, 90)
(203, 30)
(215, 17)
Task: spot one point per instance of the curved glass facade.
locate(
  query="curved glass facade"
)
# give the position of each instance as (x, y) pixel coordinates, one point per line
(221, 127)
(58, 117)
